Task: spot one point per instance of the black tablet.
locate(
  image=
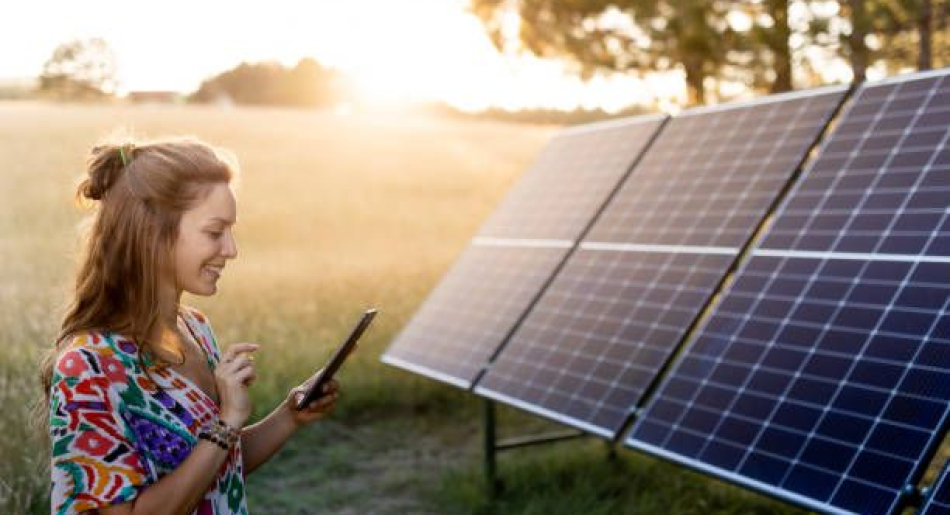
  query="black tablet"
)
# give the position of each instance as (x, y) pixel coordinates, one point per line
(326, 374)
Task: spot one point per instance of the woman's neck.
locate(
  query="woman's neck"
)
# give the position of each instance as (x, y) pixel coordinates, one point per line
(170, 299)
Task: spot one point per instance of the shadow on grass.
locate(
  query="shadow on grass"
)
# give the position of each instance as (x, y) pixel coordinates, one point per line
(402, 444)
(579, 477)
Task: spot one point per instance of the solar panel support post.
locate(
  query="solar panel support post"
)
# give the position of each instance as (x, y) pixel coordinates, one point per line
(493, 446)
(611, 451)
(491, 475)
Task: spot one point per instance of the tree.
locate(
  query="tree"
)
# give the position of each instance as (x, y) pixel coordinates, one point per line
(925, 29)
(80, 69)
(909, 30)
(857, 46)
(306, 84)
(772, 33)
(898, 34)
(692, 36)
(310, 84)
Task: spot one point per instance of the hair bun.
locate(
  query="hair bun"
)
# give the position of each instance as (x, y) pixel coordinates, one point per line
(105, 165)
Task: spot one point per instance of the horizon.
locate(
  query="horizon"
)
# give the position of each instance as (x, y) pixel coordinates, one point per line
(427, 50)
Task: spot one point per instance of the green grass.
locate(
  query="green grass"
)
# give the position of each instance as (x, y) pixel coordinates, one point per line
(335, 214)
(580, 477)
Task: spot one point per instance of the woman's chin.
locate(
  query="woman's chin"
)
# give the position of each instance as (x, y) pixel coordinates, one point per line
(204, 289)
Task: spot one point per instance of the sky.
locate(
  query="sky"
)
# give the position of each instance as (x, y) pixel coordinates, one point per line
(413, 50)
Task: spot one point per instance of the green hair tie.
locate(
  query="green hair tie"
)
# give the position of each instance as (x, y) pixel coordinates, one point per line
(125, 161)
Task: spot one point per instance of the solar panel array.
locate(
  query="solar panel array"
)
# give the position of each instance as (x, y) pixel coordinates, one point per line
(822, 374)
(938, 499)
(594, 341)
(491, 285)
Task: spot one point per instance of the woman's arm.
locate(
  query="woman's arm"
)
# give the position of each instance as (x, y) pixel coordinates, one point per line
(262, 440)
(180, 491)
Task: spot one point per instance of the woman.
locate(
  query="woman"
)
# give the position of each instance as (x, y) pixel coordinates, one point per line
(146, 414)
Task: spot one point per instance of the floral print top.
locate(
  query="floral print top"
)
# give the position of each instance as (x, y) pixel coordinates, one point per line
(116, 429)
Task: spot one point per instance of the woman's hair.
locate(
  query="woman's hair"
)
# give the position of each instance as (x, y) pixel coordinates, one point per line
(139, 191)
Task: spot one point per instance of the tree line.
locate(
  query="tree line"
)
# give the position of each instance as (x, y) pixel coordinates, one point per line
(765, 45)
(86, 69)
(308, 84)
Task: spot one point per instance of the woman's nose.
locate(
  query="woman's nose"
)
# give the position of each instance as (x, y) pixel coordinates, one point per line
(230, 247)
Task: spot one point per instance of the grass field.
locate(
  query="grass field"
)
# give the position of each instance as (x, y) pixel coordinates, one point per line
(335, 214)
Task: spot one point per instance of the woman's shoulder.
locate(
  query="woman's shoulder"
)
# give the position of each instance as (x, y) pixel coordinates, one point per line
(195, 314)
(92, 352)
(205, 333)
(99, 342)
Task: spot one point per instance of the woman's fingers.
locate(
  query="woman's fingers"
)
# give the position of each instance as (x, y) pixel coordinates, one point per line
(233, 374)
(324, 402)
(234, 365)
(241, 362)
(237, 365)
(329, 387)
(245, 375)
(237, 361)
(238, 349)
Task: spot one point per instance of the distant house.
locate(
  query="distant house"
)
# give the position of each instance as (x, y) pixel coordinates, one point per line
(155, 97)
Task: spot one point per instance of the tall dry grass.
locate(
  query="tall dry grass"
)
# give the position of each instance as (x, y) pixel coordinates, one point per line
(335, 214)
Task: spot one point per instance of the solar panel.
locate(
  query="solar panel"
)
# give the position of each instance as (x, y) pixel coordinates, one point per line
(471, 310)
(938, 498)
(516, 251)
(823, 374)
(597, 337)
(571, 179)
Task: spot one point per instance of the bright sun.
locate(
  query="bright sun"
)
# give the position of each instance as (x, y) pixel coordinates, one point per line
(409, 50)
(394, 51)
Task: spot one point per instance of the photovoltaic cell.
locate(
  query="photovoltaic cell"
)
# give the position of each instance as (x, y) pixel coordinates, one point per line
(570, 180)
(595, 340)
(824, 378)
(710, 177)
(823, 374)
(516, 251)
(471, 310)
(600, 333)
(938, 499)
(882, 182)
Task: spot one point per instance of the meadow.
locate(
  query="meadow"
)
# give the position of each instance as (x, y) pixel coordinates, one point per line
(336, 213)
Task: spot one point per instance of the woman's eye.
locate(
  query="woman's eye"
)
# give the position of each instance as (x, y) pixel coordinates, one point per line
(214, 234)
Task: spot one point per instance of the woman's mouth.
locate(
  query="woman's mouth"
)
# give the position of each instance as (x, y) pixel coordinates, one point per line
(213, 271)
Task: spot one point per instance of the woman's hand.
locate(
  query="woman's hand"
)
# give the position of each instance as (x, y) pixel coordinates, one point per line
(318, 408)
(233, 375)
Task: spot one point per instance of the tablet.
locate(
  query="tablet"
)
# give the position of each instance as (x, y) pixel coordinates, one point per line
(336, 361)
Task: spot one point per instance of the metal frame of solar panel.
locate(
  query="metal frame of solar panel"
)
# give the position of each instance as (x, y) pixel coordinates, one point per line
(822, 375)
(938, 497)
(516, 251)
(599, 335)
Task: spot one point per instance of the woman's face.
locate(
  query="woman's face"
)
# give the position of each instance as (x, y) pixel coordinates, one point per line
(205, 242)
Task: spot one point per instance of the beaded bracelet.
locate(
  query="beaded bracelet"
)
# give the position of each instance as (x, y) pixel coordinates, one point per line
(220, 434)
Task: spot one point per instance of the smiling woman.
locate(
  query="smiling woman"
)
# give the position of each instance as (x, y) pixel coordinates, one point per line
(146, 414)
(205, 241)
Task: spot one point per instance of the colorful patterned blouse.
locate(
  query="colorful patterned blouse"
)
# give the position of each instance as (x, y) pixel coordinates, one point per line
(114, 431)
